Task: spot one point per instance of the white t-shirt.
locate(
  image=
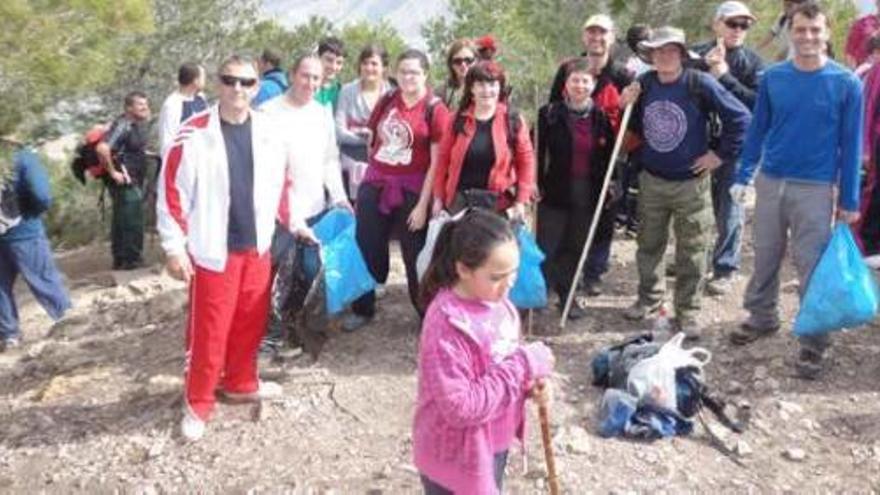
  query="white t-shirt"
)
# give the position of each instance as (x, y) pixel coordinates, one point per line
(309, 135)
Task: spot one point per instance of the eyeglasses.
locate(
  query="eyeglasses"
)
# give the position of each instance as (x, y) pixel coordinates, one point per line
(463, 60)
(734, 24)
(246, 82)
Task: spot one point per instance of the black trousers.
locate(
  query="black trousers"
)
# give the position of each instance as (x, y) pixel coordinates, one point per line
(373, 233)
(561, 234)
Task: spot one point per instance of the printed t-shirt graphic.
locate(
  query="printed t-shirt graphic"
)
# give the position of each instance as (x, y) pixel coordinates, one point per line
(397, 140)
(665, 125)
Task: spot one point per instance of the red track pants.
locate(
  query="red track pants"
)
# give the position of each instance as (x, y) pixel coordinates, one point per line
(228, 312)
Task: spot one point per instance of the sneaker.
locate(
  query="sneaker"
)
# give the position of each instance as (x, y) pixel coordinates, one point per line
(810, 364)
(689, 327)
(354, 322)
(10, 343)
(873, 261)
(748, 333)
(380, 291)
(592, 288)
(191, 427)
(640, 310)
(720, 285)
(265, 391)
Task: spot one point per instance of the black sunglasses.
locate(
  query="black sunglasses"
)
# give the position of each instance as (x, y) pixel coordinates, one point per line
(246, 82)
(462, 60)
(734, 24)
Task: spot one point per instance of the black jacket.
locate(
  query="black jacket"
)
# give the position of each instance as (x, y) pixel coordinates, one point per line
(555, 152)
(746, 68)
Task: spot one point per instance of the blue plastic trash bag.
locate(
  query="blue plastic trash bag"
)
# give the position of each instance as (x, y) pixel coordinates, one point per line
(346, 276)
(530, 290)
(842, 292)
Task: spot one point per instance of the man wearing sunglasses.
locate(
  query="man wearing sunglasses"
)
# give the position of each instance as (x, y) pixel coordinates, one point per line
(220, 193)
(738, 69)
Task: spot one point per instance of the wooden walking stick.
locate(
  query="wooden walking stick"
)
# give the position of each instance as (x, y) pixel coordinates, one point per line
(618, 143)
(546, 439)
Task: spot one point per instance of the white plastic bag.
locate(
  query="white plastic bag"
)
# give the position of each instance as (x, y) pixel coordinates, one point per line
(652, 380)
(434, 227)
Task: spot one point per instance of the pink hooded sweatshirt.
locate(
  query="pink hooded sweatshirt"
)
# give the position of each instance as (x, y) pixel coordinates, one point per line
(473, 379)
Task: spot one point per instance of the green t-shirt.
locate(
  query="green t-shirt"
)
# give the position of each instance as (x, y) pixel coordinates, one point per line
(329, 95)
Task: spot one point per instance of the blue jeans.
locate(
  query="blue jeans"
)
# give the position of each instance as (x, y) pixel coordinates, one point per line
(728, 222)
(432, 488)
(32, 258)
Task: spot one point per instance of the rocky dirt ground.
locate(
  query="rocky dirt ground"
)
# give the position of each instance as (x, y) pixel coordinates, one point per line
(91, 405)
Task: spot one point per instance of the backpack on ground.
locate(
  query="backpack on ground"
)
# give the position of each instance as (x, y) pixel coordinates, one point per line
(10, 207)
(85, 157)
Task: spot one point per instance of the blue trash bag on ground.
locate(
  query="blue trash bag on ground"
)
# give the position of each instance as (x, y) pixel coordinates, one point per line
(530, 289)
(346, 276)
(842, 291)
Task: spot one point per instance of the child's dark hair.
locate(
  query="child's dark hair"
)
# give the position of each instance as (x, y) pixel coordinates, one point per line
(469, 241)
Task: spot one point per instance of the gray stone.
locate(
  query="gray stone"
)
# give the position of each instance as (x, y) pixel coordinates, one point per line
(794, 454)
(743, 449)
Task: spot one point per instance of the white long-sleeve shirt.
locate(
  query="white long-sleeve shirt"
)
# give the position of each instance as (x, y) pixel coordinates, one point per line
(170, 117)
(194, 195)
(309, 135)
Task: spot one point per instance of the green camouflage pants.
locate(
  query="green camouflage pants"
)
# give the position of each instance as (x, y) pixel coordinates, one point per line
(688, 206)
(127, 228)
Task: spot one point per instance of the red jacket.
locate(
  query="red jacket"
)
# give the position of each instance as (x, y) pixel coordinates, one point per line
(516, 168)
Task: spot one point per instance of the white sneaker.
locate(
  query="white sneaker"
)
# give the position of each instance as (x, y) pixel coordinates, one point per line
(873, 261)
(265, 390)
(380, 291)
(191, 427)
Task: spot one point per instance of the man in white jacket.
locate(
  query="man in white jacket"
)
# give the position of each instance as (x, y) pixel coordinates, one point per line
(180, 105)
(220, 191)
(309, 134)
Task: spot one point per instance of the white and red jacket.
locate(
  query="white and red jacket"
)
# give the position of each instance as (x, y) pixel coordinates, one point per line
(192, 207)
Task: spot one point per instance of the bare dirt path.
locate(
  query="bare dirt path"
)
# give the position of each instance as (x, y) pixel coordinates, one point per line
(93, 405)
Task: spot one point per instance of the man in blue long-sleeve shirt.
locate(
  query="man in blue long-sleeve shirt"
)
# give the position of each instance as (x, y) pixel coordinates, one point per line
(806, 133)
(672, 116)
(24, 248)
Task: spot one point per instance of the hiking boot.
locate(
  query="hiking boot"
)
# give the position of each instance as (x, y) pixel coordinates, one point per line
(192, 428)
(748, 333)
(592, 288)
(354, 322)
(265, 391)
(810, 364)
(575, 312)
(688, 326)
(720, 285)
(640, 310)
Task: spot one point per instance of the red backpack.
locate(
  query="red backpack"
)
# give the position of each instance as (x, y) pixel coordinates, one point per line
(85, 158)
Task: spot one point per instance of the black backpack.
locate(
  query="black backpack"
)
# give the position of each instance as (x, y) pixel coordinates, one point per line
(10, 206)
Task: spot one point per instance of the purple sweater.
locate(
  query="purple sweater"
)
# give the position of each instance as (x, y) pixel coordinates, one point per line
(473, 379)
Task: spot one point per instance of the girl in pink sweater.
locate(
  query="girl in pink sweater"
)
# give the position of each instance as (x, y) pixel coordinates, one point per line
(474, 372)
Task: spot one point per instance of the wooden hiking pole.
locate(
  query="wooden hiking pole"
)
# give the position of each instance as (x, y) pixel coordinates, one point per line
(546, 439)
(534, 207)
(618, 143)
